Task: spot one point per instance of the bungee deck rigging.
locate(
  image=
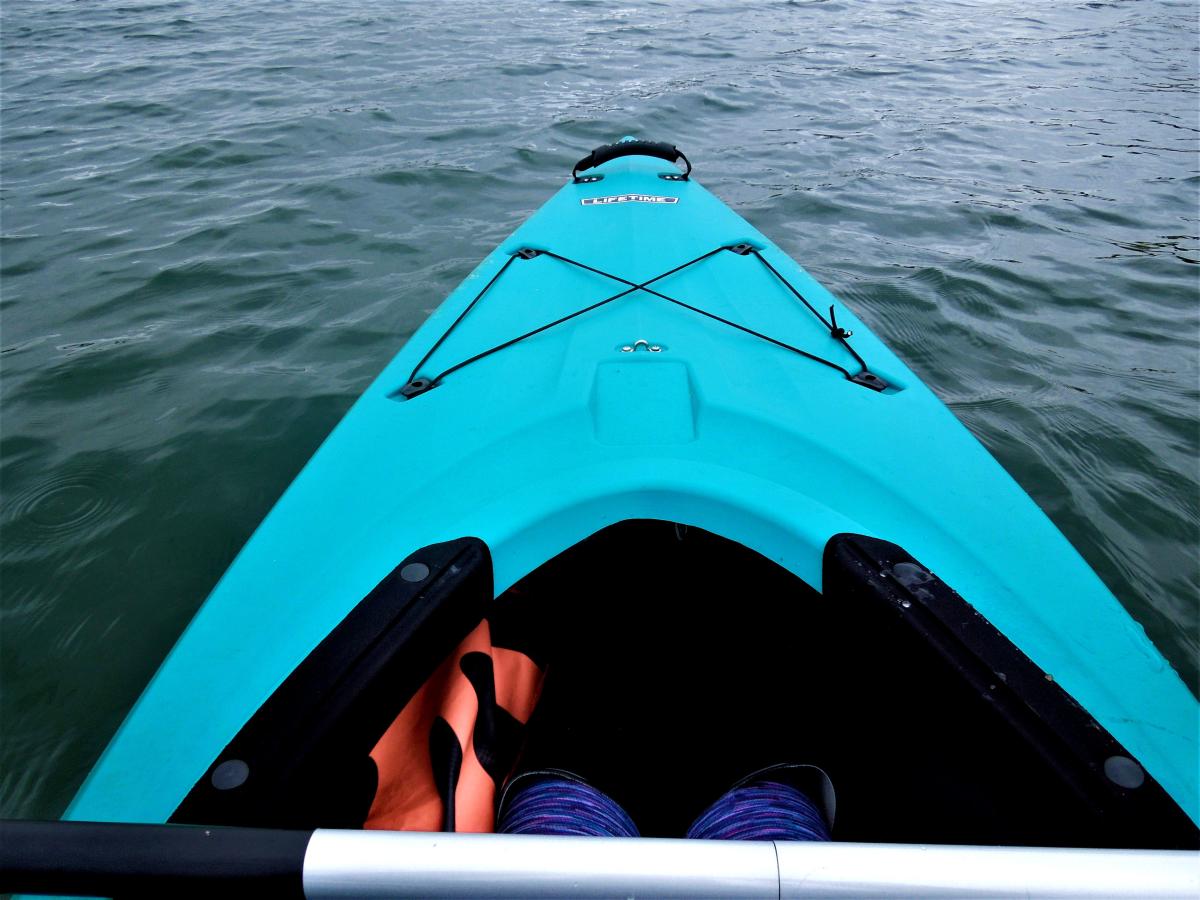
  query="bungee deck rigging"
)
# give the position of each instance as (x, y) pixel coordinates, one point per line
(418, 385)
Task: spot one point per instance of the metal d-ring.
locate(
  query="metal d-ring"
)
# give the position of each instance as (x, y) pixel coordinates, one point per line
(640, 343)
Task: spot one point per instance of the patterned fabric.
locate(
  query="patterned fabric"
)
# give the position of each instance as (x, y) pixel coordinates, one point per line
(763, 811)
(555, 805)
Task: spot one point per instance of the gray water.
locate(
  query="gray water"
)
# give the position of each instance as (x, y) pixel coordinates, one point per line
(220, 220)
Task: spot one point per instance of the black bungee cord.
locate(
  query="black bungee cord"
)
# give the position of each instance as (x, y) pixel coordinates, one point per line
(418, 385)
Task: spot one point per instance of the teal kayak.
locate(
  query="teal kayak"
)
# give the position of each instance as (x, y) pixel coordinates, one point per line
(739, 522)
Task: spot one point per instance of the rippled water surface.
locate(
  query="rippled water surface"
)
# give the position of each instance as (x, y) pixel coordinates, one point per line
(220, 220)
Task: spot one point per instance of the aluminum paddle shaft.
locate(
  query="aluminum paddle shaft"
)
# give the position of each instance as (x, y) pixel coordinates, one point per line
(91, 859)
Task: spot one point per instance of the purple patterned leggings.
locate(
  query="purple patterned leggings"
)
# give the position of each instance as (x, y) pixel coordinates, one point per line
(761, 811)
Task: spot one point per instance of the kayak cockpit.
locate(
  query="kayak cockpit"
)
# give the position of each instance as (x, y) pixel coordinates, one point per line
(664, 663)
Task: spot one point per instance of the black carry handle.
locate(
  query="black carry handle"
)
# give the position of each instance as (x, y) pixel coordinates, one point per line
(658, 149)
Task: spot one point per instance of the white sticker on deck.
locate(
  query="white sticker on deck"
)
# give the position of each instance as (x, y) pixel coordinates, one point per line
(627, 198)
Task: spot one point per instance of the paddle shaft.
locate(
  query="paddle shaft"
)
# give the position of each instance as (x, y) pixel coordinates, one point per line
(103, 859)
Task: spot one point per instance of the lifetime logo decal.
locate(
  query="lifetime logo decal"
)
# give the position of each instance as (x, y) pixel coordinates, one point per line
(627, 198)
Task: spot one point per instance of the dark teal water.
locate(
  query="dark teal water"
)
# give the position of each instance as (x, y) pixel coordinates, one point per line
(220, 220)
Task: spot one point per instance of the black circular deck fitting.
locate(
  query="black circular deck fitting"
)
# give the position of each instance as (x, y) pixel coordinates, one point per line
(415, 572)
(230, 774)
(1124, 772)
